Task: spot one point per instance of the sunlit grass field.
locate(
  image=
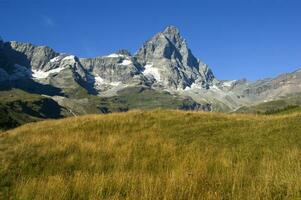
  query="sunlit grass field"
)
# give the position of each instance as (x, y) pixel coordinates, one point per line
(159, 154)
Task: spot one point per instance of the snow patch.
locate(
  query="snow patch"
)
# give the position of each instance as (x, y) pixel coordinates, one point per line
(114, 55)
(55, 59)
(98, 82)
(149, 70)
(228, 83)
(115, 83)
(193, 86)
(126, 62)
(39, 74)
(62, 57)
(71, 57)
(214, 87)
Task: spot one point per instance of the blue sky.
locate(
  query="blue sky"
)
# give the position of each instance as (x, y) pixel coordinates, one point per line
(238, 38)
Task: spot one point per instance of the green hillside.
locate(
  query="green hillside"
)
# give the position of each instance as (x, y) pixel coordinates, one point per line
(18, 107)
(158, 154)
(284, 105)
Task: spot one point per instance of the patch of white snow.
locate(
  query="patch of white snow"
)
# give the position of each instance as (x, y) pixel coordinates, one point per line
(228, 83)
(56, 59)
(39, 74)
(71, 57)
(100, 82)
(115, 83)
(193, 86)
(149, 70)
(114, 55)
(214, 87)
(126, 62)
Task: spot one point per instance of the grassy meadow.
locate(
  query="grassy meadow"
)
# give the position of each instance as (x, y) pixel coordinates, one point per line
(159, 154)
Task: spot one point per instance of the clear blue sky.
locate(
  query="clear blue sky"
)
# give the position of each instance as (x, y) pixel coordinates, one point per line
(238, 38)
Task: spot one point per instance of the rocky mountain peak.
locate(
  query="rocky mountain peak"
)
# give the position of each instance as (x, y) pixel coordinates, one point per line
(171, 31)
(168, 44)
(123, 52)
(29, 55)
(167, 58)
(173, 35)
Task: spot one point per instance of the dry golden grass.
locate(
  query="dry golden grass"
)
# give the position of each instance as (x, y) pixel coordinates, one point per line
(156, 154)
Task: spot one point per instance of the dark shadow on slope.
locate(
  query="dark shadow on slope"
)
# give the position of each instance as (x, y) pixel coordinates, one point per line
(11, 56)
(47, 108)
(18, 112)
(88, 85)
(31, 86)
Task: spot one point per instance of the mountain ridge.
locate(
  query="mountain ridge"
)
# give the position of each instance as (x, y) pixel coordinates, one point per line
(163, 63)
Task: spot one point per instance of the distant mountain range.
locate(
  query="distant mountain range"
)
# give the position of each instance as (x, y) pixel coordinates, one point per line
(163, 73)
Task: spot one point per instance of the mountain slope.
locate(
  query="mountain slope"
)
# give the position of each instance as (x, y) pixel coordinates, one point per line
(283, 103)
(18, 107)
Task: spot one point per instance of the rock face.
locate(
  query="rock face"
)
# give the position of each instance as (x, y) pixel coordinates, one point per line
(29, 55)
(272, 88)
(41, 64)
(112, 70)
(15, 55)
(167, 60)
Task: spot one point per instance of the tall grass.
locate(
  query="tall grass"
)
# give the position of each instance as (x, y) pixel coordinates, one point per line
(154, 155)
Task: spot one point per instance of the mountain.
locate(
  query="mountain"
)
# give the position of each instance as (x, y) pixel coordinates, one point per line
(162, 62)
(163, 70)
(168, 62)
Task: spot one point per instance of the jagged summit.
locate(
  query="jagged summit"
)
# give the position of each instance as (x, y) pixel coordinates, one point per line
(169, 61)
(123, 52)
(173, 34)
(171, 30)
